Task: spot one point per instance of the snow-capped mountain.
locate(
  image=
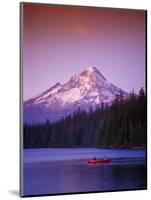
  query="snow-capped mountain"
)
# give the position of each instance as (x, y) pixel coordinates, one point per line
(87, 89)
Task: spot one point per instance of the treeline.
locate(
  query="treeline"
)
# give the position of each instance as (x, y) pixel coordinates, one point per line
(122, 125)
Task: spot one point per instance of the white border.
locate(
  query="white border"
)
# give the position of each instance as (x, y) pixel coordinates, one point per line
(9, 98)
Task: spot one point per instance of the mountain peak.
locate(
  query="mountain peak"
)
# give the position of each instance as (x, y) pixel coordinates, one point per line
(93, 72)
(86, 89)
(90, 69)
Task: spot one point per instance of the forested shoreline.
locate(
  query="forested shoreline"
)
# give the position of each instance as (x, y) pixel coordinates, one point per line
(121, 125)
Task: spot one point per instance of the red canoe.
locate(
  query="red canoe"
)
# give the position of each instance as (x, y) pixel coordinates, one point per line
(100, 161)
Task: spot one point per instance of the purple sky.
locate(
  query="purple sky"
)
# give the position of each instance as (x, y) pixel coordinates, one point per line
(62, 41)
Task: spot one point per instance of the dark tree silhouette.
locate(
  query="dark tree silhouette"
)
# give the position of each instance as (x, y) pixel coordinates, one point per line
(122, 125)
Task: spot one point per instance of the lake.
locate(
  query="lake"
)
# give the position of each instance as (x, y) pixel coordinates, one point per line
(56, 171)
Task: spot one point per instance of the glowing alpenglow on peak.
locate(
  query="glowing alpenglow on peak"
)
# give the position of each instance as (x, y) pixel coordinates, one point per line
(90, 69)
(86, 89)
(93, 74)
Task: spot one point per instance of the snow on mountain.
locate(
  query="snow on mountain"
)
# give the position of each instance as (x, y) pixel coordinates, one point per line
(87, 89)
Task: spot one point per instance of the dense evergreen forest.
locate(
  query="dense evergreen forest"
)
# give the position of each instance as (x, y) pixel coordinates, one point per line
(121, 125)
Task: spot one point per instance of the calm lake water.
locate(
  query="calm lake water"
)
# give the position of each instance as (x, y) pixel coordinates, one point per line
(54, 171)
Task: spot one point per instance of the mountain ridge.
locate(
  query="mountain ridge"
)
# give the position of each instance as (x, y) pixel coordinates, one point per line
(86, 89)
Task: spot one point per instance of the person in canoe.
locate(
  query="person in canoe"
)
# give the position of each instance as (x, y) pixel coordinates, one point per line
(94, 158)
(105, 158)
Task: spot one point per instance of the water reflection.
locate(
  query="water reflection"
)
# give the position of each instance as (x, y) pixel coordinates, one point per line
(79, 176)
